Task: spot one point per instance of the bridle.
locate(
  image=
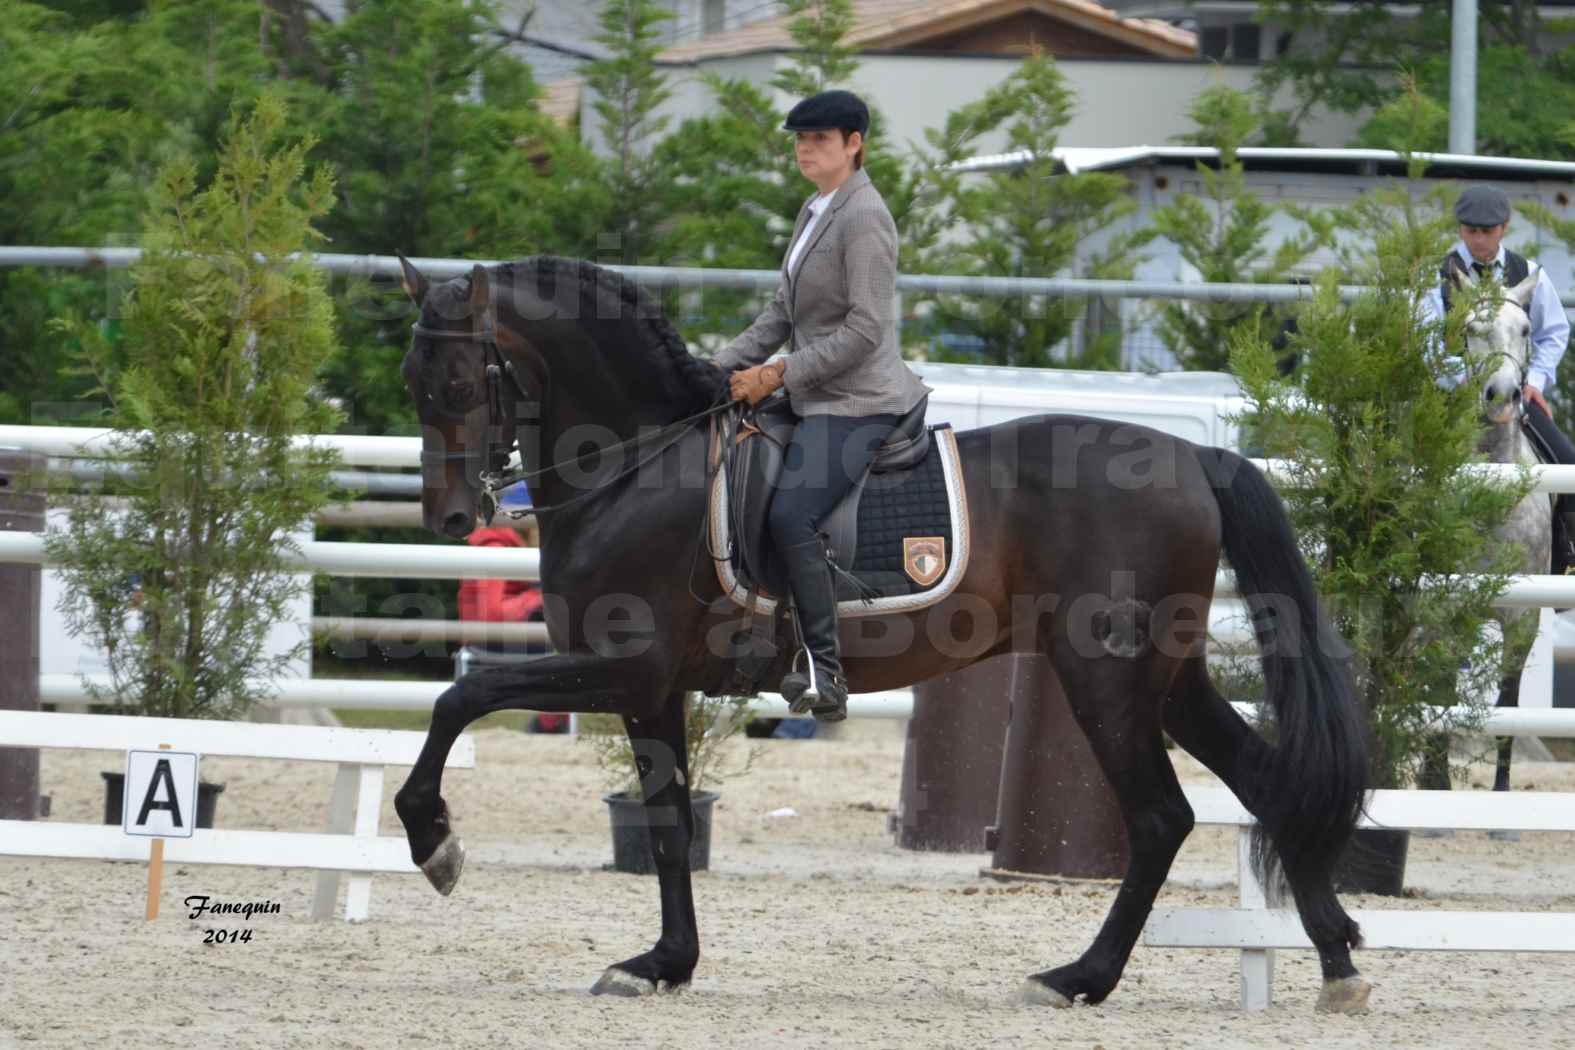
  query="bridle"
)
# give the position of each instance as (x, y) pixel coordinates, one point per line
(1523, 366)
(500, 476)
(1505, 300)
(495, 366)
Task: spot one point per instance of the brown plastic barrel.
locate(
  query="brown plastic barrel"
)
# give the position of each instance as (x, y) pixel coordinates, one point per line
(21, 510)
(951, 764)
(1057, 814)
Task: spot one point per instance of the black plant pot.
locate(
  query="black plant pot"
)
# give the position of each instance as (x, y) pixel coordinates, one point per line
(115, 793)
(631, 835)
(1374, 862)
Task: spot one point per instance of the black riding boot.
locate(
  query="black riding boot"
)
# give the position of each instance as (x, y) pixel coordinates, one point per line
(819, 687)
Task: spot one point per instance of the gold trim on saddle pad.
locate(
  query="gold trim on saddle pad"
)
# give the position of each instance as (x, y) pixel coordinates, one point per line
(924, 558)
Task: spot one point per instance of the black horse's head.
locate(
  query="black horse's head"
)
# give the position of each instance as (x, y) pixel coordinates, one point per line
(577, 353)
(455, 372)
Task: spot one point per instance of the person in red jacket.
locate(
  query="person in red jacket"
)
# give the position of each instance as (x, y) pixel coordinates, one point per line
(501, 601)
(509, 601)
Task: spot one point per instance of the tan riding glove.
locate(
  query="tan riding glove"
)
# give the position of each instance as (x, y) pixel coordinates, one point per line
(755, 384)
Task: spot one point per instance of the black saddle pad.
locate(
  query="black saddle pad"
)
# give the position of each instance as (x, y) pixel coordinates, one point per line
(895, 508)
(892, 526)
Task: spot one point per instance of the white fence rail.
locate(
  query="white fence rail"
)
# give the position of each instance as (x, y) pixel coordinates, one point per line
(415, 561)
(1259, 925)
(403, 453)
(350, 847)
(406, 695)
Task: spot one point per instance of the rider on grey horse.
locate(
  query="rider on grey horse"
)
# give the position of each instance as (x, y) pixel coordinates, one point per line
(1483, 213)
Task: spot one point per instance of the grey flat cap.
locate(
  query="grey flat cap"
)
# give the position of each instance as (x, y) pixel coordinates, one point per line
(1482, 206)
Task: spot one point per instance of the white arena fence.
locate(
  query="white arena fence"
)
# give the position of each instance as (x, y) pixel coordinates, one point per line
(1261, 923)
(350, 847)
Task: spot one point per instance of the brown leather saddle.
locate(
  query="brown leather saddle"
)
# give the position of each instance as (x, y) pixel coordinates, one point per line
(901, 493)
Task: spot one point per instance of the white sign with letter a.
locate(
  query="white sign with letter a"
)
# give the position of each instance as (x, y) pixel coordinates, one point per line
(161, 794)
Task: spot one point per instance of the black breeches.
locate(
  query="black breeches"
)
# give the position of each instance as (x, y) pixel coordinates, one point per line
(826, 458)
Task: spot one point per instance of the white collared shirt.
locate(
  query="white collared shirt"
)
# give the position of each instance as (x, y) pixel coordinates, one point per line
(817, 205)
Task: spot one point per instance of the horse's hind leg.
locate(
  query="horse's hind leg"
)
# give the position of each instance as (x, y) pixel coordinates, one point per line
(1121, 720)
(1204, 723)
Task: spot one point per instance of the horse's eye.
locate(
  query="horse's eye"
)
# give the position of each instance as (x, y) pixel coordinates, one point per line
(1525, 331)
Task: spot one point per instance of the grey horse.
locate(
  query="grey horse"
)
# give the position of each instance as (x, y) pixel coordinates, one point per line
(1498, 332)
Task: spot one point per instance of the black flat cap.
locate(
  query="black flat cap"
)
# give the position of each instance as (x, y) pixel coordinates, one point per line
(829, 110)
(1482, 206)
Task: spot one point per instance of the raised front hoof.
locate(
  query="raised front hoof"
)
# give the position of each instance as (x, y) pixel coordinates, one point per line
(631, 986)
(443, 867)
(1346, 995)
(1036, 993)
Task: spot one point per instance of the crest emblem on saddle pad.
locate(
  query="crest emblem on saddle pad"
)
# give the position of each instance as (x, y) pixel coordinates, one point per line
(923, 558)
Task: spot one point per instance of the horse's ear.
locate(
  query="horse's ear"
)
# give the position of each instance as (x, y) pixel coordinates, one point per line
(1523, 291)
(415, 285)
(480, 289)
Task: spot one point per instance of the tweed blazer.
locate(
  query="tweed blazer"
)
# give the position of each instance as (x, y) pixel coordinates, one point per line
(836, 311)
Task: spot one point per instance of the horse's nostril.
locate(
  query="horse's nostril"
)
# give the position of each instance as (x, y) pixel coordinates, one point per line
(457, 524)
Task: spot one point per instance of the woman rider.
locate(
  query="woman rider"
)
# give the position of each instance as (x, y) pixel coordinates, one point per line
(835, 310)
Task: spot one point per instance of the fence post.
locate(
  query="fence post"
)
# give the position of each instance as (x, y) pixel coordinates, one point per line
(1257, 964)
(21, 510)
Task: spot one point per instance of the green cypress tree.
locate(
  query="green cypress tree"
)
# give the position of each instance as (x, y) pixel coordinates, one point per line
(821, 59)
(225, 329)
(1224, 236)
(1380, 490)
(629, 91)
(1031, 221)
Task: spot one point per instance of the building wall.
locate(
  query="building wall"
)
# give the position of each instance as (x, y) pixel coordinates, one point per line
(1119, 102)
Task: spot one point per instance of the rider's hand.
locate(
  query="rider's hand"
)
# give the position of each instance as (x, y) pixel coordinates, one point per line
(1534, 395)
(755, 384)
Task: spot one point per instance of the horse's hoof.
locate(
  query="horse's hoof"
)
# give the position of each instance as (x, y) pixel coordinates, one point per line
(1347, 995)
(1036, 993)
(443, 867)
(623, 983)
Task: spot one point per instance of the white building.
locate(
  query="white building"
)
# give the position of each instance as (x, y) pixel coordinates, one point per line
(1134, 78)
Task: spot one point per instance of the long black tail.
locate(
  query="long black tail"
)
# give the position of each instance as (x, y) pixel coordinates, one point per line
(1310, 794)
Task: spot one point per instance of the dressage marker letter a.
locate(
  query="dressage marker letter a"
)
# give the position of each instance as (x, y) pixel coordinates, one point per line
(161, 794)
(165, 778)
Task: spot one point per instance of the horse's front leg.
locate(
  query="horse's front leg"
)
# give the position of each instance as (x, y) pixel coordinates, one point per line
(574, 681)
(663, 761)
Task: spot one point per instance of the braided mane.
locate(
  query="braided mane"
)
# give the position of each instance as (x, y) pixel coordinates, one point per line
(622, 318)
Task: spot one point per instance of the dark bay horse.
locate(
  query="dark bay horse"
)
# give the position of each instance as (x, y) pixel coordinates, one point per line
(1093, 542)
